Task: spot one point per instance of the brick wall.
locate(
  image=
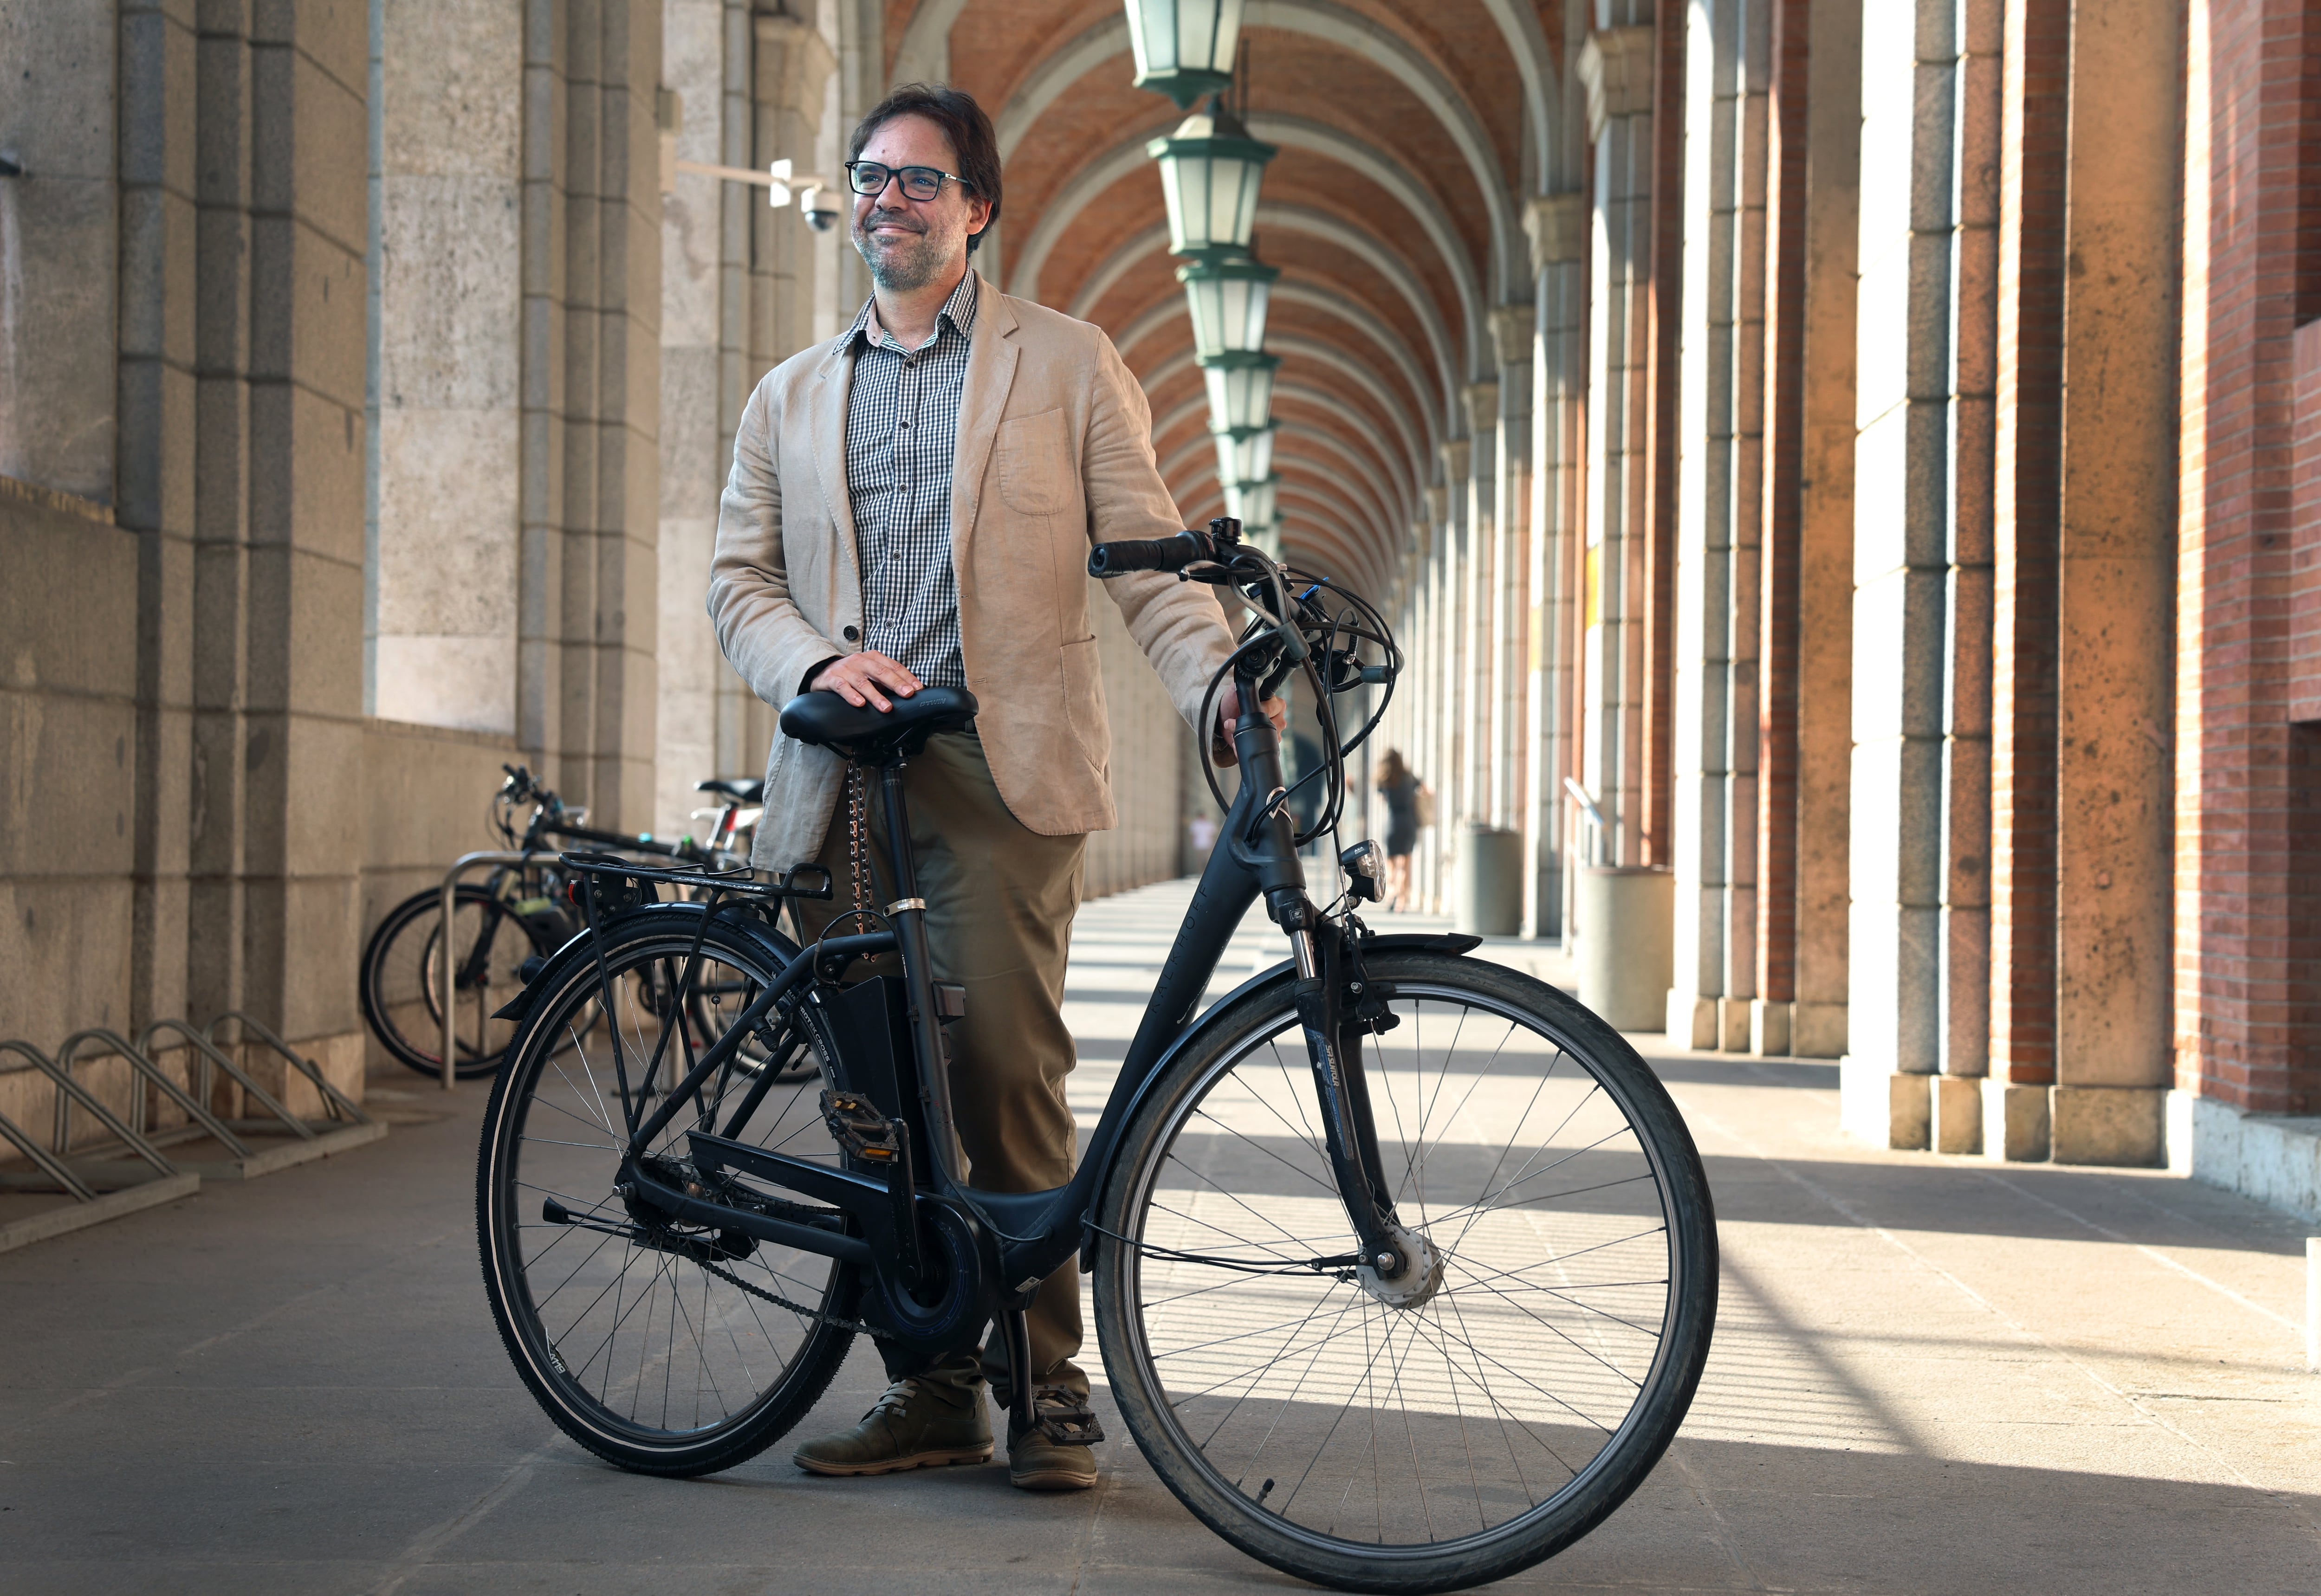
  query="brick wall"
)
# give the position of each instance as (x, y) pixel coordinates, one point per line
(2245, 887)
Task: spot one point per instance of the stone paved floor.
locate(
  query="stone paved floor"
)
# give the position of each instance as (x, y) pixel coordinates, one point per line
(1930, 1375)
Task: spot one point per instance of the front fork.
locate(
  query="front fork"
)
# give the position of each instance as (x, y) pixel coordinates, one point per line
(1321, 948)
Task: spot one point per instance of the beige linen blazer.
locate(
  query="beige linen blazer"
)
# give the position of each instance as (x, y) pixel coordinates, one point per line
(1054, 453)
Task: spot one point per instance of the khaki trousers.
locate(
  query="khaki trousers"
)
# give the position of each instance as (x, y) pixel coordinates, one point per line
(1000, 901)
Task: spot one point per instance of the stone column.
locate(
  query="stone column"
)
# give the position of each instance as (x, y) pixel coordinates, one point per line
(1921, 683)
(1719, 512)
(445, 492)
(304, 662)
(2114, 780)
(1480, 576)
(1615, 72)
(1454, 555)
(1511, 334)
(1558, 228)
(591, 399)
(2034, 131)
(1825, 537)
(134, 263)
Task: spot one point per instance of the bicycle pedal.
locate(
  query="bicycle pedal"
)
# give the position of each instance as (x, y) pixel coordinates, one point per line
(858, 1126)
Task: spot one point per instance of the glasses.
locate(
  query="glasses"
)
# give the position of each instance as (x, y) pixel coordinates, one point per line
(918, 183)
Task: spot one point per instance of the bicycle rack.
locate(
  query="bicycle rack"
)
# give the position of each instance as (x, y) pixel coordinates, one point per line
(446, 992)
(140, 1174)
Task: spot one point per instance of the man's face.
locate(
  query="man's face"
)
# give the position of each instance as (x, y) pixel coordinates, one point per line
(910, 244)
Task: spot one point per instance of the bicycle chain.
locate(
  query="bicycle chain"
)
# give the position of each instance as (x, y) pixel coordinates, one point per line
(858, 846)
(817, 1314)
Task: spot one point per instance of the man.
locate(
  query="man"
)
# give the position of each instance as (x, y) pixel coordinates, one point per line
(911, 506)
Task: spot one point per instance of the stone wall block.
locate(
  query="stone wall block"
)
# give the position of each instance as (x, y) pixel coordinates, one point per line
(222, 313)
(309, 660)
(159, 70)
(453, 89)
(157, 409)
(62, 247)
(1956, 1126)
(310, 145)
(305, 479)
(449, 294)
(334, 33)
(309, 325)
(157, 276)
(2116, 1126)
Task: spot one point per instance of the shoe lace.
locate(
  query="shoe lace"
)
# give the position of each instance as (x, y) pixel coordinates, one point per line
(897, 1397)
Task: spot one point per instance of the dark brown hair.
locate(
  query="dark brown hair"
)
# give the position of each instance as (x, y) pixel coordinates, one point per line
(963, 122)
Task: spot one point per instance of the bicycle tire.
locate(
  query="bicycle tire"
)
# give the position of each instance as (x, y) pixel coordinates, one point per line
(394, 982)
(1228, 1391)
(592, 1367)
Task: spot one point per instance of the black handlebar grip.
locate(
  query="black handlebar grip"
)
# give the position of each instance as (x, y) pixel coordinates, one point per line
(1147, 554)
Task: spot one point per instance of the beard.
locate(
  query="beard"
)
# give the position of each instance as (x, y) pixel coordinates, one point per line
(900, 264)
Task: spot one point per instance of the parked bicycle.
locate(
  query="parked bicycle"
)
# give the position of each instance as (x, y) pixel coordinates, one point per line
(1405, 1264)
(518, 912)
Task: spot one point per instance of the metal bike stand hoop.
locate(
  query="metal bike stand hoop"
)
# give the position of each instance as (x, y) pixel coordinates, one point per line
(443, 973)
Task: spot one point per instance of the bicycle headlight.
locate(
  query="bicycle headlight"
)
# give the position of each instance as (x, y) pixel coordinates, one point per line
(1365, 865)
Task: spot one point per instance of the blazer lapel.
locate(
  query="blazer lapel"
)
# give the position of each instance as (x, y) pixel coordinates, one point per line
(982, 400)
(832, 381)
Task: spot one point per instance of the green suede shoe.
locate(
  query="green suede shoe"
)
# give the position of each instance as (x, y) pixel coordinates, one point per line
(917, 1424)
(1058, 1452)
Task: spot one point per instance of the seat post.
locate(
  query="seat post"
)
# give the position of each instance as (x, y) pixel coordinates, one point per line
(908, 915)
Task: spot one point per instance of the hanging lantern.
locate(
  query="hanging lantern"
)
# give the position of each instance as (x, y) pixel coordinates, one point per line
(1251, 504)
(1246, 455)
(1241, 391)
(1209, 172)
(1228, 300)
(1184, 48)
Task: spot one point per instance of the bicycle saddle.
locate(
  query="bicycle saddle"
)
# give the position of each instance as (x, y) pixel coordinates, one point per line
(828, 720)
(752, 791)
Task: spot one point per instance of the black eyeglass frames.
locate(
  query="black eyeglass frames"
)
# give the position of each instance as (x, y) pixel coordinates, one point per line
(919, 183)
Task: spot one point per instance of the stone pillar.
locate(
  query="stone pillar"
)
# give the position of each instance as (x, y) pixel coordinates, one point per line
(1454, 788)
(1615, 72)
(2113, 777)
(303, 632)
(2034, 128)
(1558, 228)
(1511, 336)
(1824, 590)
(1714, 748)
(145, 285)
(587, 606)
(698, 256)
(1480, 579)
(444, 498)
(1921, 789)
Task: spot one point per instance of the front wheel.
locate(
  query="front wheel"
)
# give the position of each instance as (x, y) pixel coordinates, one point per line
(1476, 1417)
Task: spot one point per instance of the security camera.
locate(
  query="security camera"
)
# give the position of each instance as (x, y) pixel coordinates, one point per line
(820, 211)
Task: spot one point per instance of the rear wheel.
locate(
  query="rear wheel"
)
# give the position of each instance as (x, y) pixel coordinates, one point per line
(402, 1001)
(662, 1347)
(1489, 1408)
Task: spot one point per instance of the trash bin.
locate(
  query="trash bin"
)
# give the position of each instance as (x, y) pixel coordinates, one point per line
(1490, 881)
(1624, 943)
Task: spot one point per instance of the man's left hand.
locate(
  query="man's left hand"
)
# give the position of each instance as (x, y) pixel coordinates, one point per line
(1220, 744)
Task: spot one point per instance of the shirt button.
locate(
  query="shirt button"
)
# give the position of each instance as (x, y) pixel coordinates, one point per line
(851, 633)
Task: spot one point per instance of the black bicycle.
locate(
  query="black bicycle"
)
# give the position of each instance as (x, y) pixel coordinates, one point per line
(516, 913)
(1404, 1266)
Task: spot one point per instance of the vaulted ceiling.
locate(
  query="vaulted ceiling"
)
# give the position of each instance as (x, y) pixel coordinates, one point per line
(1409, 134)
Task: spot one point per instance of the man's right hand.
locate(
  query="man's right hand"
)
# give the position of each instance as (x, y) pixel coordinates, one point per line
(858, 678)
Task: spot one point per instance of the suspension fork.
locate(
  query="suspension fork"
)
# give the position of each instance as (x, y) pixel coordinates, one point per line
(1331, 1046)
(1342, 1089)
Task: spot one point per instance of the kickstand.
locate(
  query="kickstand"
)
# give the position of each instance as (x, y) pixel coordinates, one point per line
(1019, 1365)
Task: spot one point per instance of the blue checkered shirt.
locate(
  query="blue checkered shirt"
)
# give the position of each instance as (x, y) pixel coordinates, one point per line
(902, 430)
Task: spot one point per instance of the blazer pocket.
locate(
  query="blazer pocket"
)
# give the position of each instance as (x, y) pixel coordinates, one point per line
(1035, 464)
(1083, 682)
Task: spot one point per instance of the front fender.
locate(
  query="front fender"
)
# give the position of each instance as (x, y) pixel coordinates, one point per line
(1455, 943)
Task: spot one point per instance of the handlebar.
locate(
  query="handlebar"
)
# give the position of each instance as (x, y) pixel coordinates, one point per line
(1154, 554)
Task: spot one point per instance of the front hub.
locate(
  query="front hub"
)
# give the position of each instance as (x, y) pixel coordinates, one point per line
(1417, 1280)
